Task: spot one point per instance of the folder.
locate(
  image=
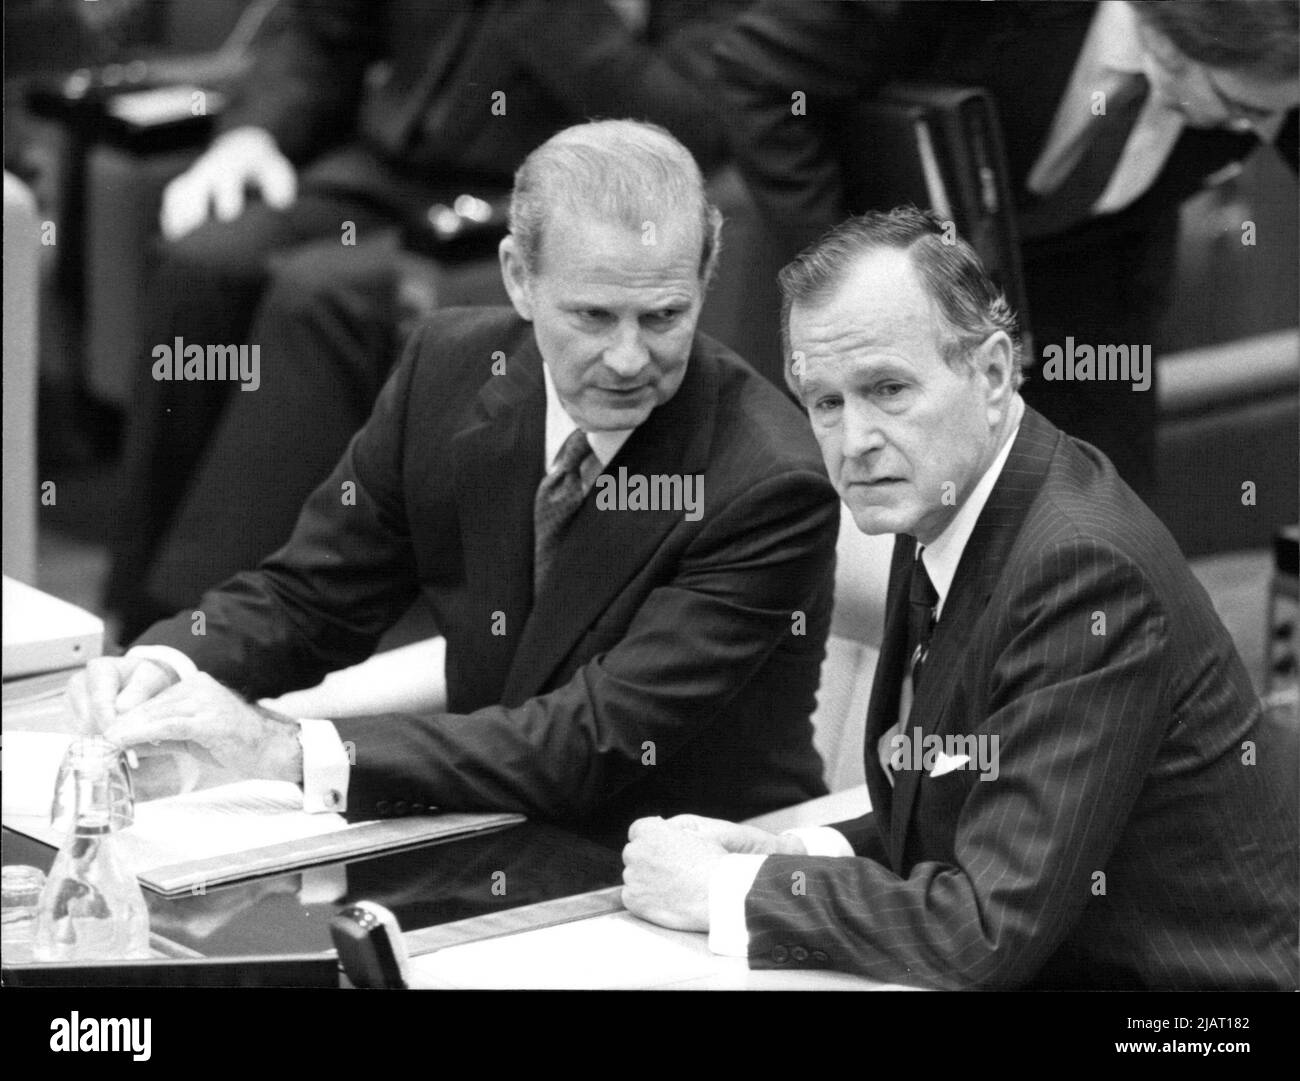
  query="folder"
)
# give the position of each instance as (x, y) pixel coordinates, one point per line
(938, 148)
(45, 634)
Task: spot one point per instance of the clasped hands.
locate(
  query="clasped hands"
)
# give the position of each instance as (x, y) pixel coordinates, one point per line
(191, 733)
(667, 864)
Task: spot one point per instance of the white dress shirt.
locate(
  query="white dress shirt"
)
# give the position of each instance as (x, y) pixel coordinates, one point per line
(1112, 53)
(734, 875)
(325, 759)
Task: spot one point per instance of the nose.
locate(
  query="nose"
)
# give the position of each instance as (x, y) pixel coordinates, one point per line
(862, 433)
(627, 355)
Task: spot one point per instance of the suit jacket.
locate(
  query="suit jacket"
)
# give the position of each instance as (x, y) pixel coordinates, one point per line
(414, 80)
(668, 666)
(1023, 53)
(1128, 839)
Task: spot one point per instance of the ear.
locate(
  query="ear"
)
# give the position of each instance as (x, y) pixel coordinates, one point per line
(515, 277)
(994, 361)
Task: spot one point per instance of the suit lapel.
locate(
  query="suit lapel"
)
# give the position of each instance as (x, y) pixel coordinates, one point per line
(601, 550)
(497, 459)
(982, 563)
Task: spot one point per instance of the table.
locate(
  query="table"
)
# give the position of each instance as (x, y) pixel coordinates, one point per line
(613, 949)
(557, 924)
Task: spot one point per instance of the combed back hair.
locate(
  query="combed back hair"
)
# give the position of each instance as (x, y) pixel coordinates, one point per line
(970, 305)
(1262, 37)
(621, 171)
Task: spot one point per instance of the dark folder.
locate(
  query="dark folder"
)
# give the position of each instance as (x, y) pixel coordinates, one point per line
(938, 148)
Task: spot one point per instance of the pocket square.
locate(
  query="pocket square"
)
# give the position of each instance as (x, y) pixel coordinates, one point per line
(944, 763)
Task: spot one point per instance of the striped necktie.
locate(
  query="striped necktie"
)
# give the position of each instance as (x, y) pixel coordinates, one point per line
(558, 498)
(922, 599)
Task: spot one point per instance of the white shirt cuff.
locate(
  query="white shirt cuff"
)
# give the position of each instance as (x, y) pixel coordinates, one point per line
(325, 767)
(731, 880)
(822, 841)
(168, 655)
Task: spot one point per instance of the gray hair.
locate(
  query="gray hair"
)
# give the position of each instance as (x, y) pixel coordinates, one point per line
(614, 170)
(972, 307)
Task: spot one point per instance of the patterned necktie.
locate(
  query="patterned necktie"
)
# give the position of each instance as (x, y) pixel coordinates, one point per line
(558, 498)
(922, 599)
(1105, 137)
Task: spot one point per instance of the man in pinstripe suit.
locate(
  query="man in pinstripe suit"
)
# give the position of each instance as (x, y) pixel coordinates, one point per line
(1063, 750)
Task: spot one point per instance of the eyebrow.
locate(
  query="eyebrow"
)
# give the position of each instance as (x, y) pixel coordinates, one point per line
(673, 300)
(867, 372)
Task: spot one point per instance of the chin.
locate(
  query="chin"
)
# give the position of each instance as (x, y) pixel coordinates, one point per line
(875, 519)
(605, 419)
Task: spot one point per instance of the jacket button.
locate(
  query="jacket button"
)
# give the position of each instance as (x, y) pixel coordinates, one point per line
(799, 954)
(401, 807)
(333, 798)
(382, 806)
(819, 956)
(780, 954)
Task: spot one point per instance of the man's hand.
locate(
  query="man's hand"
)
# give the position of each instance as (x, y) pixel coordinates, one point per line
(215, 183)
(666, 871)
(108, 686)
(735, 837)
(231, 739)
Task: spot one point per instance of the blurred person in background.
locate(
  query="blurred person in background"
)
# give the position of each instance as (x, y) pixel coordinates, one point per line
(1113, 113)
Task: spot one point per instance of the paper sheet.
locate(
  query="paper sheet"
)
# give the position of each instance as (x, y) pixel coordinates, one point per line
(29, 763)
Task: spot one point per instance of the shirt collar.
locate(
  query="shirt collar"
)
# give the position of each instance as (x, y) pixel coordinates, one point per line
(559, 426)
(942, 556)
(1119, 48)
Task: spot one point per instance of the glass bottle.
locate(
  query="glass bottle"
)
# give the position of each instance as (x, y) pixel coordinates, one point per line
(91, 907)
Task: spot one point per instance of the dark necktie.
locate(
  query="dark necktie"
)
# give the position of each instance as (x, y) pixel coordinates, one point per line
(1106, 136)
(905, 646)
(922, 599)
(558, 498)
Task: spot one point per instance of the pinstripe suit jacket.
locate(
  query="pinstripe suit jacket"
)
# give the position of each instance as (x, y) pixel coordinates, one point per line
(1127, 840)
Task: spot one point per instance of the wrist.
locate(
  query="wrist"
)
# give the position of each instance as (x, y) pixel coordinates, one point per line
(282, 757)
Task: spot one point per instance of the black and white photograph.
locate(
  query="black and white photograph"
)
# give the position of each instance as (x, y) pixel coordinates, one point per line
(609, 496)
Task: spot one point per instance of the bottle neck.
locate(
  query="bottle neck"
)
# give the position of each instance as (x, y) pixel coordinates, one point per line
(95, 799)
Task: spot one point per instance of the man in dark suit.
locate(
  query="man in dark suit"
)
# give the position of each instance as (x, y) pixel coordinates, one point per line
(1113, 114)
(1064, 754)
(624, 533)
(355, 118)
